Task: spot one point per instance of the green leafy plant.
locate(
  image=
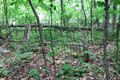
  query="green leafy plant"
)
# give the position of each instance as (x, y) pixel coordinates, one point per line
(34, 73)
(66, 69)
(79, 71)
(1, 55)
(51, 54)
(3, 72)
(97, 70)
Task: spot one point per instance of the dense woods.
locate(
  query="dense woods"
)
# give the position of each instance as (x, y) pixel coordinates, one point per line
(59, 40)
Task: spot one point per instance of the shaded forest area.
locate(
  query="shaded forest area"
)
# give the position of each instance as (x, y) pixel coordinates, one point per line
(59, 40)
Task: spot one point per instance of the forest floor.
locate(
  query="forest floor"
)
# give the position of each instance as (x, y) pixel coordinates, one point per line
(94, 70)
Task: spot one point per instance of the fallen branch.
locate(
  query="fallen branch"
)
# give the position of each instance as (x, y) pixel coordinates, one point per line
(54, 26)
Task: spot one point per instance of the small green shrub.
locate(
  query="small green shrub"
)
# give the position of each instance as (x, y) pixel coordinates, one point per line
(68, 70)
(3, 72)
(34, 73)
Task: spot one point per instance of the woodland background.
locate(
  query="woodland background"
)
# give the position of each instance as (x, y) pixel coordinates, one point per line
(59, 40)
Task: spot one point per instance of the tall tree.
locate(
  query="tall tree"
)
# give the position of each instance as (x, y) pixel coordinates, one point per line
(114, 17)
(0, 16)
(0, 11)
(105, 39)
(61, 11)
(91, 12)
(82, 1)
(97, 20)
(16, 18)
(118, 28)
(40, 32)
(6, 14)
(63, 17)
(52, 45)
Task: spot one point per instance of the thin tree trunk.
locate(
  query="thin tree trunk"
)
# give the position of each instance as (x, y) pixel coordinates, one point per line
(5, 8)
(40, 32)
(0, 16)
(105, 39)
(0, 11)
(114, 18)
(118, 28)
(92, 32)
(62, 12)
(98, 24)
(82, 1)
(16, 19)
(61, 16)
(52, 47)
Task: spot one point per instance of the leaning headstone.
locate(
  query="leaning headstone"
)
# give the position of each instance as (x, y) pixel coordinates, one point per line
(27, 32)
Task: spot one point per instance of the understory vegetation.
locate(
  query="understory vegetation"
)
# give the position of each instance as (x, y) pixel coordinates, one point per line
(59, 40)
(26, 60)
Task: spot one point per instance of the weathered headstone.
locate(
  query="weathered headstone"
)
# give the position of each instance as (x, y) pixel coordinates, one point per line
(27, 32)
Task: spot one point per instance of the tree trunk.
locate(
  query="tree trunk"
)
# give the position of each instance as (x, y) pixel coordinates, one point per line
(118, 28)
(82, 1)
(0, 16)
(0, 11)
(52, 46)
(61, 16)
(92, 32)
(114, 18)
(105, 39)
(61, 11)
(16, 19)
(98, 24)
(5, 9)
(40, 32)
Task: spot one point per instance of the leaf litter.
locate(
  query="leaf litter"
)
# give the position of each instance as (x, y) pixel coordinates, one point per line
(94, 70)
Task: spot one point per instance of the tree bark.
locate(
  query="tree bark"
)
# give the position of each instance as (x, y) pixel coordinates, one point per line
(16, 19)
(54, 26)
(92, 32)
(114, 18)
(82, 1)
(40, 32)
(0, 11)
(0, 16)
(97, 20)
(105, 39)
(63, 18)
(118, 28)
(52, 46)
(6, 14)
(61, 11)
